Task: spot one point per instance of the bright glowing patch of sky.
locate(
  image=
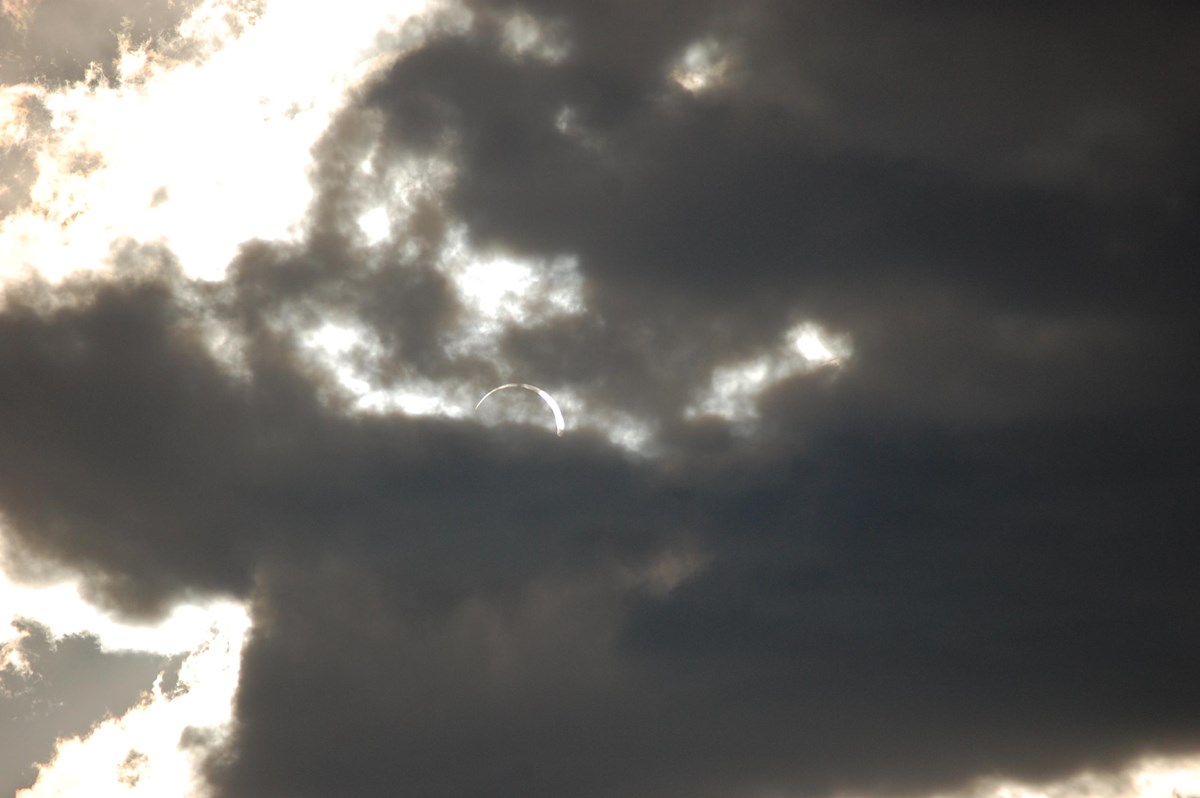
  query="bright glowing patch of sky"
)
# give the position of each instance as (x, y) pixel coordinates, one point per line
(61, 609)
(702, 66)
(735, 388)
(199, 154)
(504, 291)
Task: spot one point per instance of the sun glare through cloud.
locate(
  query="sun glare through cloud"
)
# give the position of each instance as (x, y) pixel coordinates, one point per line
(702, 66)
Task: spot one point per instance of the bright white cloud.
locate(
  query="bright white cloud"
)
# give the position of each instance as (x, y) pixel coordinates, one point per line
(499, 291)
(735, 388)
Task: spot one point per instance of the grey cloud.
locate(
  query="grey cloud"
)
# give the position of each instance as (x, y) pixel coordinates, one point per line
(894, 610)
(741, 200)
(60, 39)
(744, 204)
(70, 686)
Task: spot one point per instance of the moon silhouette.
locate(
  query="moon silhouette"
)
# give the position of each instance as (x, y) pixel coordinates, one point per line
(559, 424)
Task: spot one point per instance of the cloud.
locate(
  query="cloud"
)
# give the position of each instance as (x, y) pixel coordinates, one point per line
(149, 749)
(872, 333)
(51, 689)
(58, 40)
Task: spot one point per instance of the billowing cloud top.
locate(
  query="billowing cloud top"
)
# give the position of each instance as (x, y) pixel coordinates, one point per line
(871, 326)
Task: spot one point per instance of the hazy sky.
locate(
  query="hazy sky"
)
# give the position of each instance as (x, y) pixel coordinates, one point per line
(873, 326)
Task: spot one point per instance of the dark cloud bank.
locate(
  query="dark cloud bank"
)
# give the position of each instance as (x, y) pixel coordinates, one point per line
(970, 553)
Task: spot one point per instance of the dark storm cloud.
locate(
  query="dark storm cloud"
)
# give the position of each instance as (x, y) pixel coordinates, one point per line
(894, 610)
(740, 188)
(966, 553)
(70, 685)
(818, 178)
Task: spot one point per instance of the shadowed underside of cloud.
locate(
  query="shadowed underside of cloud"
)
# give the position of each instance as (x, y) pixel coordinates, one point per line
(969, 552)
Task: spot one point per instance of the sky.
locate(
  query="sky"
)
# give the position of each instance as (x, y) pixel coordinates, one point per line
(872, 326)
